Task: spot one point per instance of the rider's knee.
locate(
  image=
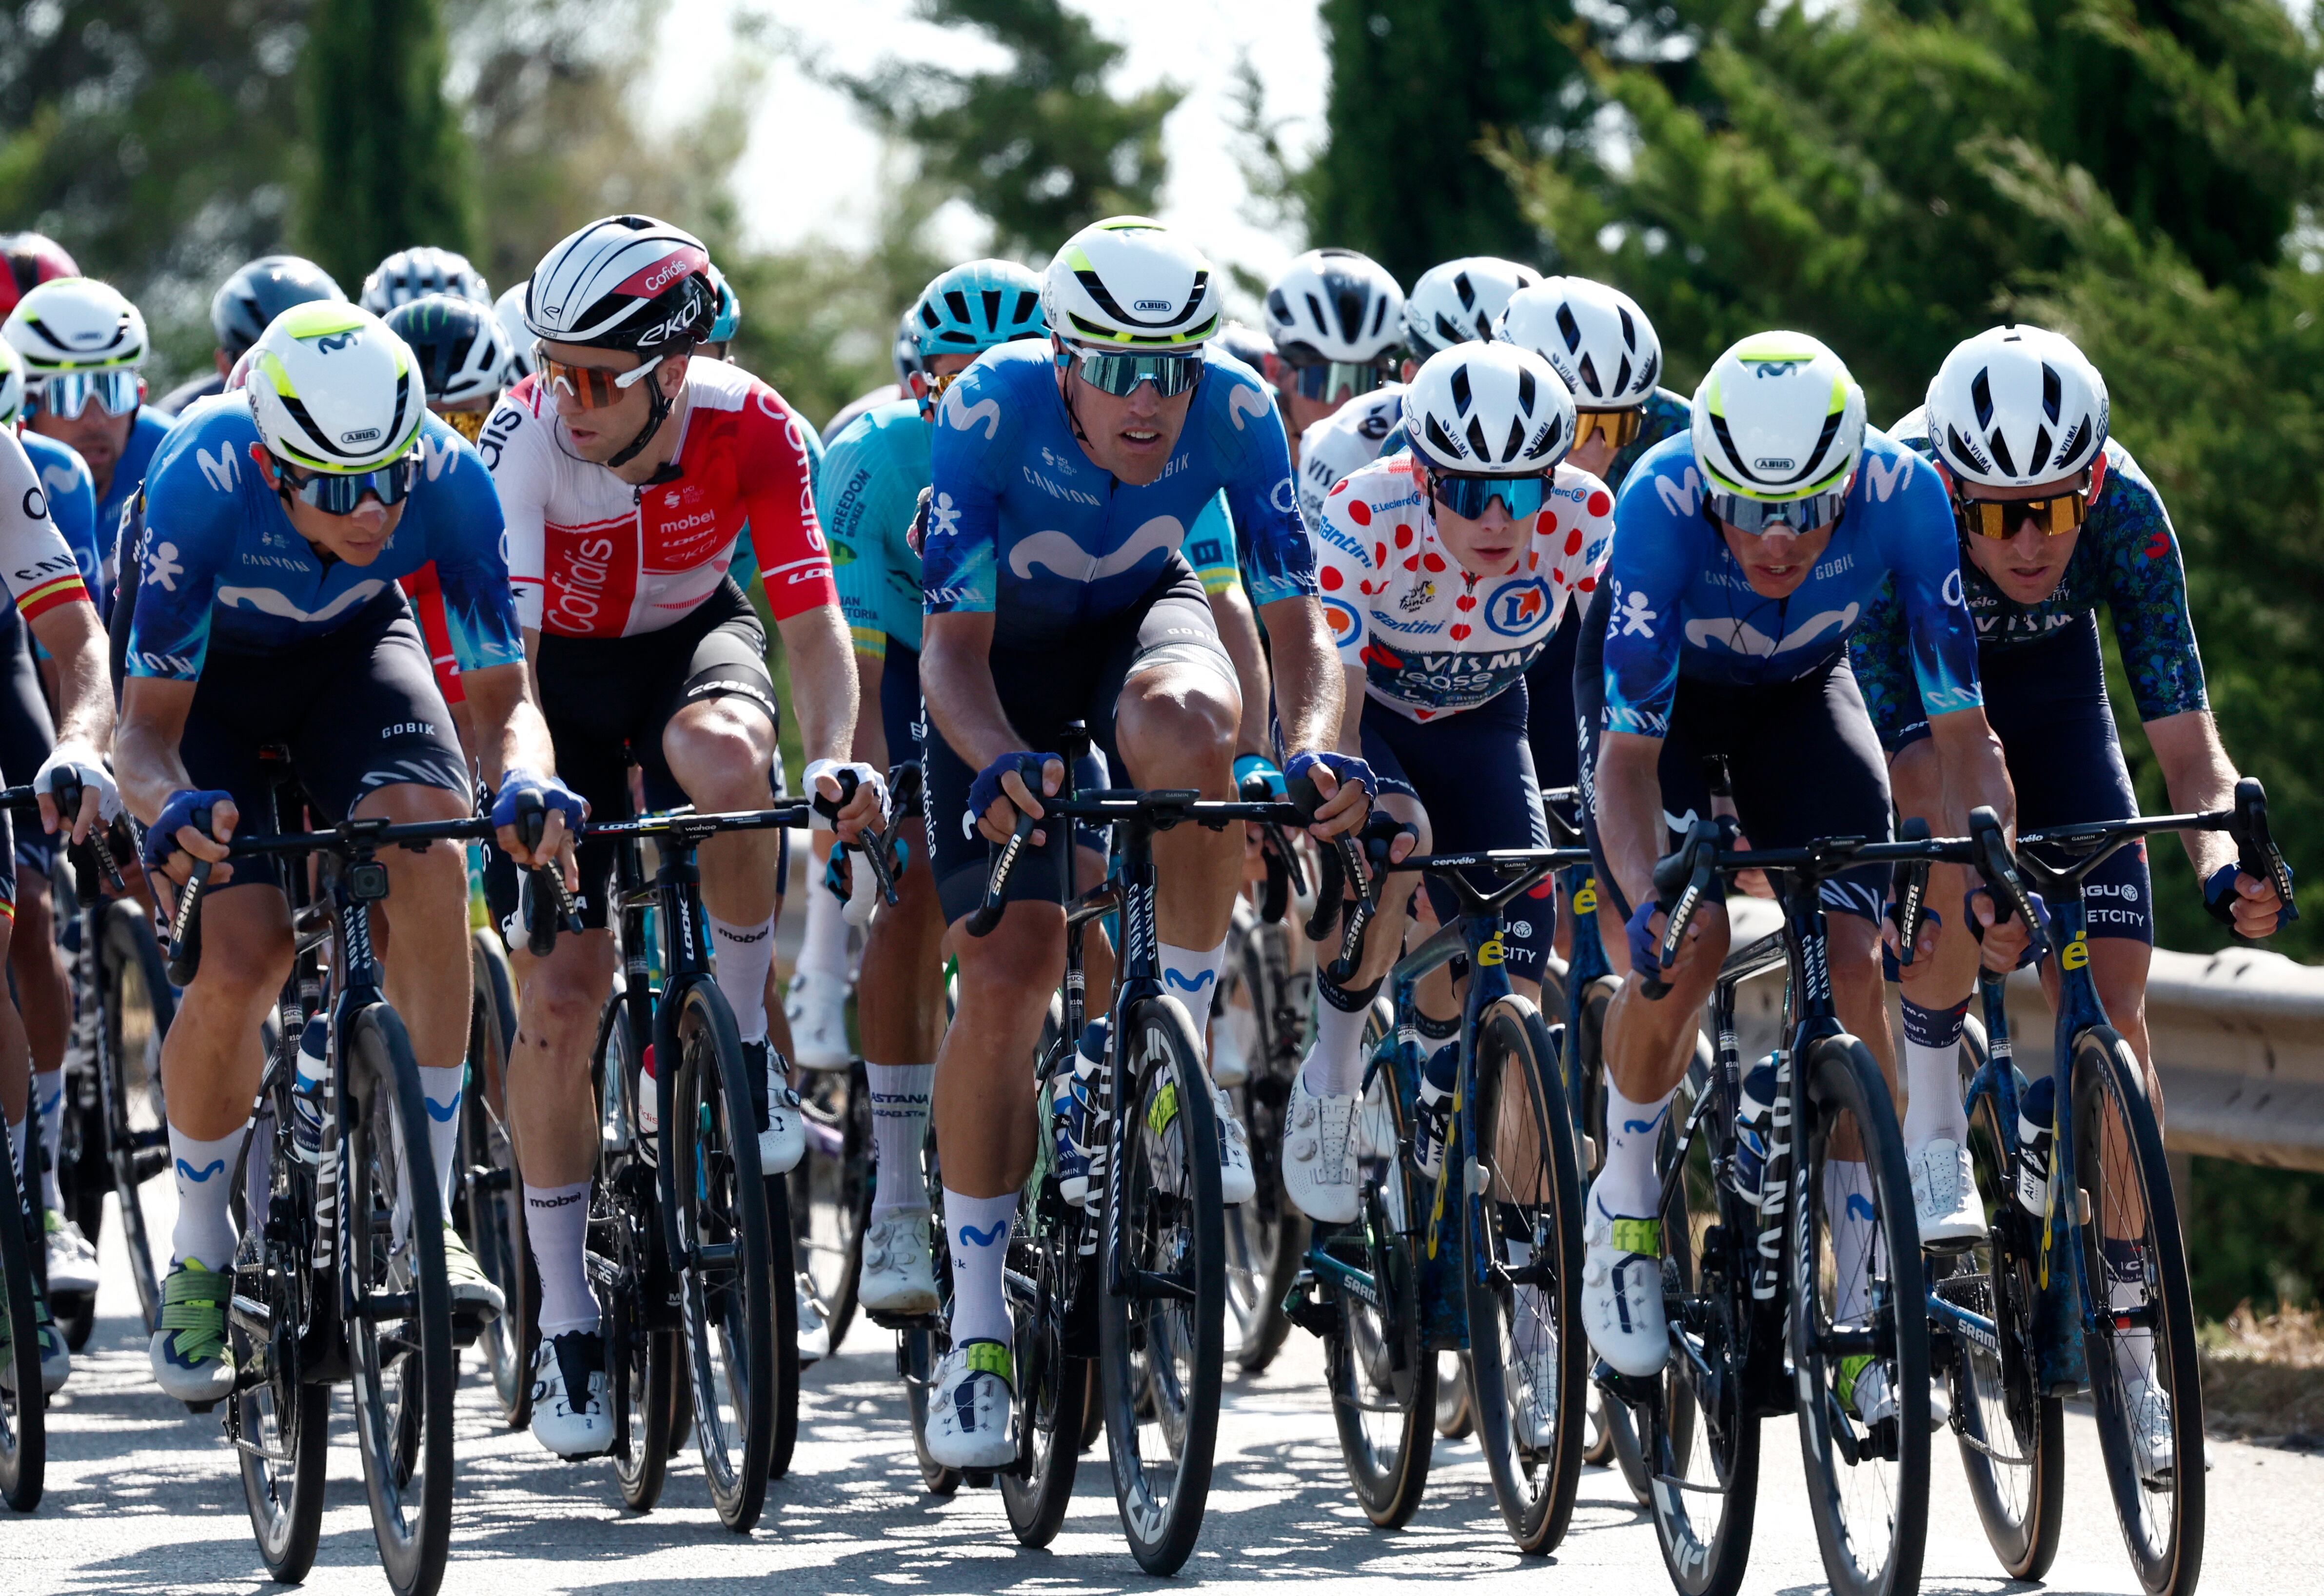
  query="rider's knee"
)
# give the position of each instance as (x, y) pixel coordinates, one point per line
(563, 992)
(1179, 720)
(1024, 955)
(718, 750)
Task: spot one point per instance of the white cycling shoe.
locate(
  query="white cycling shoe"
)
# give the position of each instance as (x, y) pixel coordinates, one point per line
(783, 1142)
(1236, 1182)
(1319, 1153)
(571, 1414)
(2153, 1445)
(898, 1276)
(1536, 1414)
(1622, 1291)
(969, 1408)
(73, 1261)
(813, 1328)
(1944, 1196)
(1867, 1387)
(816, 1006)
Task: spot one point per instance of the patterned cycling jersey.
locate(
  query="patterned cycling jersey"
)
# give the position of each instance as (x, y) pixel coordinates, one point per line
(1343, 443)
(593, 556)
(1025, 526)
(71, 494)
(872, 475)
(1678, 603)
(2127, 557)
(1391, 590)
(36, 565)
(223, 566)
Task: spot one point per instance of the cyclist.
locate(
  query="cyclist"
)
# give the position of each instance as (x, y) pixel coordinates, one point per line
(28, 260)
(244, 305)
(509, 309)
(260, 609)
(628, 471)
(46, 592)
(410, 273)
(872, 478)
(1064, 479)
(1336, 321)
(1745, 552)
(82, 345)
(2053, 519)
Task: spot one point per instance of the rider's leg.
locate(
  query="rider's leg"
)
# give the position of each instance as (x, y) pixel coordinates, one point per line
(44, 1001)
(901, 1007)
(15, 1077)
(720, 750)
(1175, 725)
(815, 1002)
(552, 1113)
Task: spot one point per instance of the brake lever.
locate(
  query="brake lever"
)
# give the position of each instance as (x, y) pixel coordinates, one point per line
(1912, 891)
(2256, 855)
(1989, 852)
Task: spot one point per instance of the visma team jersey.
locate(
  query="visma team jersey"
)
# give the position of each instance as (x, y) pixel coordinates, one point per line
(593, 556)
(1677, 602)
(872, 475)
(223, 567)
(1025, 526)
(1431, 638)
(1343, 443)
(37, 565)
(2126, 558)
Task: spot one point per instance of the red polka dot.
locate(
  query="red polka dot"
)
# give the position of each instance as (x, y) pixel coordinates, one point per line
(1600, 504)
(1411, 562)
(1533, 561)
(1380, 553)
(1587, 585)
(1331, 580)
(1359, 511)
(1403, 536)
(1433, 561)
(1465, 603)
(1460, 630)
(1574, 541)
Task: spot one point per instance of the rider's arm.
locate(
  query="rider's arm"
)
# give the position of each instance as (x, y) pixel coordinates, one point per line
(71, 634)
(2199, 775)
(1238, 631)
(956, 678)
(871, 726)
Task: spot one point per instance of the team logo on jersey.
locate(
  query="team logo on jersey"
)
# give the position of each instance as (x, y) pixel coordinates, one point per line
(1514, 611)
(1244, 400)
(1416, 597)
(1065, 557)
(1344, 619)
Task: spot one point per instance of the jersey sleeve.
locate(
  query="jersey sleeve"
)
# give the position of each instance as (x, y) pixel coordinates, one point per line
(71, 494)
(2144, 580)
(1880, 653)
(1278, 557)
(40, 569)
(959, 561)
(779, 489)
(188, 531)
(1660, 541)
(1348, 573)
(480, 607)
(1923, 555)
(1211, 547)
(514, 447)
(859, 497)
(1578, 538)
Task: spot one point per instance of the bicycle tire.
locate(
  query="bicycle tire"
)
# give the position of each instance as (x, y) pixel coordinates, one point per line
(1163, 1113)
(1585, 1074)
(1376, 1359)
(24, 1432)
(1045, 1279)
(831, 1198)
(388, 1161)
(641, 1355)
(1838, 1081)
(710, 1145)
(1526, 1151)
(488, 1198)
(782, 1286)
(1266, 1237)
(2109, 1086)
(2010, 1431)
(84, 1177)
(1612, 1422)
(137, 1005)
(286, 1417)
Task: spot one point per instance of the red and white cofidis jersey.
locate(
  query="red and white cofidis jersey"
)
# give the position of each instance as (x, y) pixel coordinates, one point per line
(1431, 638)
(593, 556)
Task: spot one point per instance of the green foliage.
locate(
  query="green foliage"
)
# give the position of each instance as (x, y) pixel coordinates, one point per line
(2256, 1235)
(390, 166)
(1041, 148)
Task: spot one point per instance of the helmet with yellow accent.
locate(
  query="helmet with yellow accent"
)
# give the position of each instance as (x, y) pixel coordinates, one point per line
(1129, 284)
(1778, 430)
(334, 390)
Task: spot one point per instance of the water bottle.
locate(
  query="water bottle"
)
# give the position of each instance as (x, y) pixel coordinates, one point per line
(2036, 1114)
(1431, 1118)
(1754, 1115)
(306, 1090)
(1080, 1140)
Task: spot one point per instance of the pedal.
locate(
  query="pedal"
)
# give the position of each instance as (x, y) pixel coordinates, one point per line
(1632, 1390)
(1302, 1306)
(905, 1322)
(977, 1478)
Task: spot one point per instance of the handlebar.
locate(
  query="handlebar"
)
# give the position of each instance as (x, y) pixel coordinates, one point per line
(90, 858)
(1911, 890)
(870, 844)
(2256, 855)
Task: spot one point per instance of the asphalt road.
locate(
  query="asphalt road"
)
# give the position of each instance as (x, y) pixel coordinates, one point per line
(145, 1497)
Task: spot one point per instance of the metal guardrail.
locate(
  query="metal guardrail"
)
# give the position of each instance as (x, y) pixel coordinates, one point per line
(2238, 1036)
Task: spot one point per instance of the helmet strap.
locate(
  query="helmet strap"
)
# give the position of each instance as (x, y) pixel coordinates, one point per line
(657, 408)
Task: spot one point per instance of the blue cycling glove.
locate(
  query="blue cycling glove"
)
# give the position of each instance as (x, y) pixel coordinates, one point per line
(161, 837)
(985, 790)
(1344, 767)
(1645, 947)
(2041, 915)
(2220, 894)
(517, 783)
(1250, 766)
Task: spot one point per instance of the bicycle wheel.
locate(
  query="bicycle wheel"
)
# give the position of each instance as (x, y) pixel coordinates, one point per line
(488, 1197)
(625, 1264)
(1266, 1237)
(831, 1190)
(1856, 1318)
(919, 1348)
(1377, 1364)
(281, 1422)
(1580, 1044)
(400, 1343)
(782, 1286)
(2140, 1350)
(23, 1438)
(1522, 1267)
(138, 1004)
(83, 1180)
(1046, 1281)
(1162, 1338)
(724, 1269)
(1456, 1414)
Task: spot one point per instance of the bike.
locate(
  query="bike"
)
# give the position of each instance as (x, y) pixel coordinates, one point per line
(488, 1196)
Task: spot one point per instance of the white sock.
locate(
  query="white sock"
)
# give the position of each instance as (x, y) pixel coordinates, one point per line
(901, 1096)
(1527, 1326)
(1335, 1061)
(204, 1176)
(442, 1088)
(742, 955)
(49, 1098)
(2126, 1287)
(556, 1224)
(823, 948)
(1932, 1095)
(1848, 1213)
(1192, 978)
(1629, 1186)
(977, 1232)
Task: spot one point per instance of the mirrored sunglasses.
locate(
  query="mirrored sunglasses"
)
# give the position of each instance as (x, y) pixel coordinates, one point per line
(592, 387)
(1468, 496)
(67, 394)
(334, 494)
(1120, 374)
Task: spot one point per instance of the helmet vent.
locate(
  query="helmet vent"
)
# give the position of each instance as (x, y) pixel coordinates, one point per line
(2053, 390)
(1526, 389)
(2041, 447)
(1515, 446)
(2001, 456)
(1461, 397)
(1621, 380)
(1980, 396)
(1629, 327)
(991, 298)
(1442, 442)
(1568, 329)
(1588, 372)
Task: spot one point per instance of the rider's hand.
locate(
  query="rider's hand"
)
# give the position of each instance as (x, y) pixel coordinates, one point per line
(1751, 884)
(99, 798)
(1344, 782)
(2244, 905)
(999, 795)
(563, 811)
(1645, 928)
(2003, 946)
(1925, 945)
(866, 808)
(172, 836)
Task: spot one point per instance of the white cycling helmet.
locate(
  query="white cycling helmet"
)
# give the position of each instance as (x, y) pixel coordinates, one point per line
(410, 273)
(459, 346)
(2016, 406)
(624, 282)
(1488, 409)
(1777, 421)
(76, 324)
(510, 310)
(1460, 301)
(1335, 305)
(12, 385)
(1130, 282)
(335, 389)
(1595, 337)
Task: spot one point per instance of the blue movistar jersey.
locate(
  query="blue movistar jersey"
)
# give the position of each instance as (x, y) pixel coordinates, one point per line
(1024, 526)
(1678, 604)
(223, 567)
(146, 436)
(873, 475)
(72, 501)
